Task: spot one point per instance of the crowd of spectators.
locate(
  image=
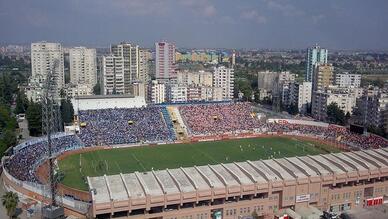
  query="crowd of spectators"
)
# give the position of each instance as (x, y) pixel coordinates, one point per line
(211, 119)
(357, 140)
(123, 126)
(332, 132)
(22, 163)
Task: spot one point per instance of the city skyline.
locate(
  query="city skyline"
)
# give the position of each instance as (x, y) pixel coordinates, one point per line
(199, 24)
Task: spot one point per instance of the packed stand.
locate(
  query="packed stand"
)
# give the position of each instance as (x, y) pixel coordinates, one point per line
(22, 164)
(211, 119)
(340, 134)
(123, 126)
(363, 141)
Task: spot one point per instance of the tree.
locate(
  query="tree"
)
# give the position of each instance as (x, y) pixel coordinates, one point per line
(335, 114)
(255, 215)
(293, 109)
(21, 103)
(8, 126)
(257, 96)
(34, 118)
(67, 111)
(10, 202)
(377, 130)
(347, 117)
(9, 138)
(4, 116)
(266, 100)
(97, 89)
(6, 87)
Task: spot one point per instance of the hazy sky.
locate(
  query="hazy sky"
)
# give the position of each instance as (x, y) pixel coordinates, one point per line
(335, 24)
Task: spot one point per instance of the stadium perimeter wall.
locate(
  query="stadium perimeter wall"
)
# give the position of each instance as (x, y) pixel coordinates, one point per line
(299, 122)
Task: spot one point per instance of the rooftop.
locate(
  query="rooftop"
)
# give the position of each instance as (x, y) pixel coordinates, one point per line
(104, 96)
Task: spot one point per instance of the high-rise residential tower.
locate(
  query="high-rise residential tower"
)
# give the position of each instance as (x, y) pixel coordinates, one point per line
(323, 77)
(83, 66)
(144, 57)
(165, 60)
(315, 56)
(129, 53)
(113, 75)
(43, 57)
(301, 95)
(223, 77)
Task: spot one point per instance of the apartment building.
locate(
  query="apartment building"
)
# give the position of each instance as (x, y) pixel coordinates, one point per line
(83, 68)
(223, 77)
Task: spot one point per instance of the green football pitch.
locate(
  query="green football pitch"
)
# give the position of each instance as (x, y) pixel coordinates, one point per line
(126, 160)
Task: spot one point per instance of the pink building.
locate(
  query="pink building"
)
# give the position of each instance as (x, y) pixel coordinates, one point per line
(165, 60)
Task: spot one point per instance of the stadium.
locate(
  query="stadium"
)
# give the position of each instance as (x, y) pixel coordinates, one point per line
(201, 160)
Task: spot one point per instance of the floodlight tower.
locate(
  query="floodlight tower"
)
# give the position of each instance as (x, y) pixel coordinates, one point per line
(51, 123)
(276, 95)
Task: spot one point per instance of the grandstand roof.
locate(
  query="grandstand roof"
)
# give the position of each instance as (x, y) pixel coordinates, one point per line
(221, 176)
(104, 96)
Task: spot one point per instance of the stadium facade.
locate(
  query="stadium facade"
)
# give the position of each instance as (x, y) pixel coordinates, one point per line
(334, 182)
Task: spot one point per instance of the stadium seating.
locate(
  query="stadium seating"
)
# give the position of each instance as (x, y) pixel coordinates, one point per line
(335, 133)
(211, 119)
(22, 164)
(124, 126)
